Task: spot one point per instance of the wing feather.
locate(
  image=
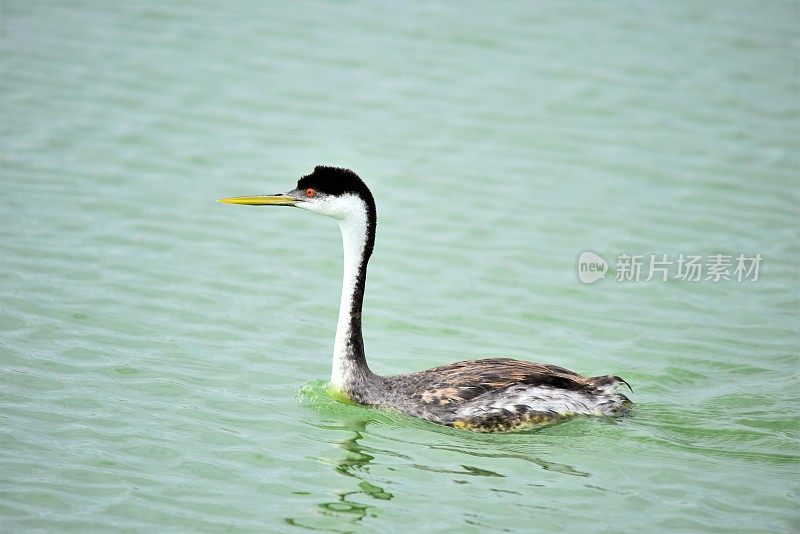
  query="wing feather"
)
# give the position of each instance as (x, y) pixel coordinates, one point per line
(463, 381)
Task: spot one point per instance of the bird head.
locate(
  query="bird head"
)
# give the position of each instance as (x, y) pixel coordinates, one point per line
(332, 191)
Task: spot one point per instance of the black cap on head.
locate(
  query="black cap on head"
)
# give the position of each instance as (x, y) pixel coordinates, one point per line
(335, 181)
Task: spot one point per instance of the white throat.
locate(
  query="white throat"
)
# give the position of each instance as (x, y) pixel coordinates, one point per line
(353, 224)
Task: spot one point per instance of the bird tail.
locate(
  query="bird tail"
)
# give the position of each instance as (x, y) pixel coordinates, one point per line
(608, 385)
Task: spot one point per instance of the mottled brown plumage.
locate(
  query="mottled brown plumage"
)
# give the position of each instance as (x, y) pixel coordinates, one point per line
(493, 394)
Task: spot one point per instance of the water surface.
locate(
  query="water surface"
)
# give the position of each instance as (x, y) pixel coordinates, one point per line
(164, 356)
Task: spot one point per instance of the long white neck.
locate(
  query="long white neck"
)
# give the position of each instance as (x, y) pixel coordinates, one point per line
(348, 348)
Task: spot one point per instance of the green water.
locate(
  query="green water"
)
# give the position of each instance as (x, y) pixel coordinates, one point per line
(164, 356)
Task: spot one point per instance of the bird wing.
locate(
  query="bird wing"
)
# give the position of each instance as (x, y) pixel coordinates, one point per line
(460, 382)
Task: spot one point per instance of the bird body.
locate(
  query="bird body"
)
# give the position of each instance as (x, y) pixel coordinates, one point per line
(494, 394)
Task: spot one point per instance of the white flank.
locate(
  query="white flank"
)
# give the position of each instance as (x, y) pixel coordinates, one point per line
(545, 399)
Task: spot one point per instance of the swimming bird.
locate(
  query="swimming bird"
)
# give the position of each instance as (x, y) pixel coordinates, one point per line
(486, 395)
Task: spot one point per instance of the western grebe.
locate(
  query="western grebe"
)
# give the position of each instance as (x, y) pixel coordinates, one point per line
(486, 395)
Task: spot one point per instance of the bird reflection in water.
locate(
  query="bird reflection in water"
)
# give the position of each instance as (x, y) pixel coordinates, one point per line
(353, 506)
(353, 464)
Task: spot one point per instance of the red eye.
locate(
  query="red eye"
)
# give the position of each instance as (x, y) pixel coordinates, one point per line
(310, 192)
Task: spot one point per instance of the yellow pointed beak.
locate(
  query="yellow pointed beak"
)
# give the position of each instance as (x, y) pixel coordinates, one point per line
(261, 200)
